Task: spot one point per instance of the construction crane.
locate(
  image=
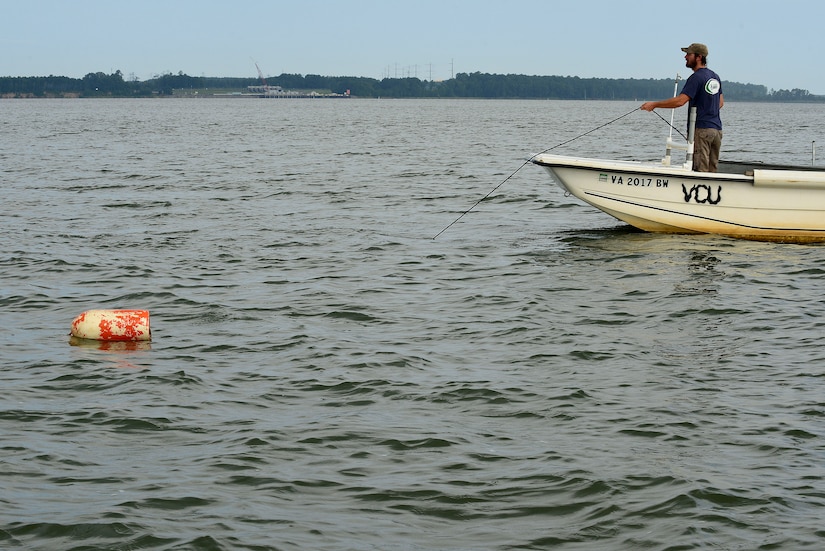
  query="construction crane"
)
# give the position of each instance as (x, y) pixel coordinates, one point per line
(265, 89)
(261, 75)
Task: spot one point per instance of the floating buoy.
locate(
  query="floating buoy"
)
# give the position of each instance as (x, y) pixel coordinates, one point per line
(112, 325)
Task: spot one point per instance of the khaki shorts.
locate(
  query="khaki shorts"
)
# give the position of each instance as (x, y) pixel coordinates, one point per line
(706, 145)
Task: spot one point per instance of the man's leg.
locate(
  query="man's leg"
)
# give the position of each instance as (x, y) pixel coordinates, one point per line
(701, 151)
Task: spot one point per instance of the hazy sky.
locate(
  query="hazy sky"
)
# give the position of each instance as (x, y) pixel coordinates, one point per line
(776, 43)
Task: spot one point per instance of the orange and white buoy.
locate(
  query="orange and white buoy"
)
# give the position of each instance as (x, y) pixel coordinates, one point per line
(112, 325)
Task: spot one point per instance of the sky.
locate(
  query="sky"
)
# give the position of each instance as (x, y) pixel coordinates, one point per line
(776, 44)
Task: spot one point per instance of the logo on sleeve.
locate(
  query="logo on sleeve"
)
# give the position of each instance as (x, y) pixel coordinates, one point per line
(713, 86)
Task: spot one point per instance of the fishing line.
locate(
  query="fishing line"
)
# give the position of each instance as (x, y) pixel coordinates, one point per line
(670, 125)
(527, 162)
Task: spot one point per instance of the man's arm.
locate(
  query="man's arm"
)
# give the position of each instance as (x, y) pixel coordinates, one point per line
(672, 103)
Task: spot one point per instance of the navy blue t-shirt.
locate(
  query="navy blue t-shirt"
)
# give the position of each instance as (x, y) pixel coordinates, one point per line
(704, 88)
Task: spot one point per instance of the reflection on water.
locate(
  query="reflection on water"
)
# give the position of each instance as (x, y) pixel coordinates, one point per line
(110, 346)
(704, 276)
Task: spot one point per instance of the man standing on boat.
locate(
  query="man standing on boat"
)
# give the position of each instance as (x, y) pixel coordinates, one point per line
(703, 90)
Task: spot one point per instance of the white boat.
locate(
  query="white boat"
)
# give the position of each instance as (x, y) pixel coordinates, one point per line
(744, 200)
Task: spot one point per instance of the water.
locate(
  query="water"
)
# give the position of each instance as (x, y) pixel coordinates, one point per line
(324, 375)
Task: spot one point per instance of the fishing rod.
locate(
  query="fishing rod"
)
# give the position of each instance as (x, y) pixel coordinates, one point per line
(669, 143)
(525, 163)
(673, 111)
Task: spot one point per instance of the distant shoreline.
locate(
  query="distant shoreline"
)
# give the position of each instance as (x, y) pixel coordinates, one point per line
(462, 86)
(321, 98)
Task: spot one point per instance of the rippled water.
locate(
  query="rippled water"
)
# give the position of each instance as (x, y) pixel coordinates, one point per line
(325, 375)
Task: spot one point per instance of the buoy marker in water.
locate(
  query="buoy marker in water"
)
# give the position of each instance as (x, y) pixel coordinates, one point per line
(112, 325)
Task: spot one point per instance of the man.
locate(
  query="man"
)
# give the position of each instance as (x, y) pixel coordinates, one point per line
(704, 91)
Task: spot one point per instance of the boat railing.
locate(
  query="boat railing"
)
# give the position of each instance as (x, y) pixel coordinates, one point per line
(688, 146)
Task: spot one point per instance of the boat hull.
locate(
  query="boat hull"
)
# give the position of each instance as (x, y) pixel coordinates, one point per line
(761, 204)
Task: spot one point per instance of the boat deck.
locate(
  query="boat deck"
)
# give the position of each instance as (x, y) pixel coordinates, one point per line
(747, 168)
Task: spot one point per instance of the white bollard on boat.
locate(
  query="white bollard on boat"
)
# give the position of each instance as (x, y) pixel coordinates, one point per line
(112, 325)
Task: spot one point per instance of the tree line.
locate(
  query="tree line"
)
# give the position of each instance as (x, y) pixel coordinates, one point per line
(463, 85)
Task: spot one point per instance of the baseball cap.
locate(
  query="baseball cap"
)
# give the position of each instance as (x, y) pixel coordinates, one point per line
(696, 48)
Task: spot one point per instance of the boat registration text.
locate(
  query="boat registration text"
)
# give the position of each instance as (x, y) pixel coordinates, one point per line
(636, 181)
